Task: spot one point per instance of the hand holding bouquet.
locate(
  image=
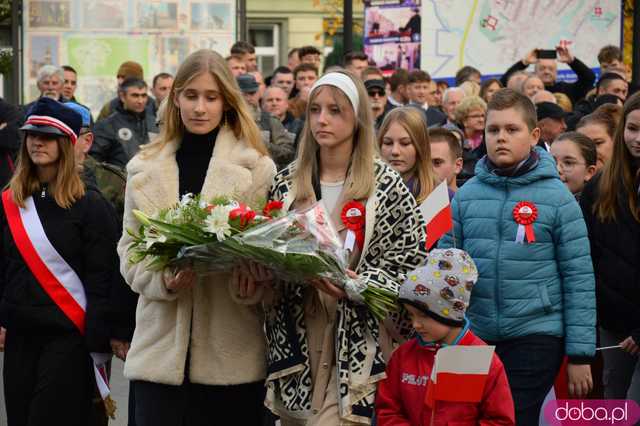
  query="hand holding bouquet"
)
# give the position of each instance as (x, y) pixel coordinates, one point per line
(300, 246)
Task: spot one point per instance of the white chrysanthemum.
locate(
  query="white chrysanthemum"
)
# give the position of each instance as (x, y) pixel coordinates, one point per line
(218, 222)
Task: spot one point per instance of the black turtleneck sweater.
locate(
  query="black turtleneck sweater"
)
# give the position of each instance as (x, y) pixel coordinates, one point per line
(193, 159)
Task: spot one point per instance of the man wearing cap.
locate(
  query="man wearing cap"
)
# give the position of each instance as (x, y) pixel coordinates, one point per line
(110, 180)
(129, 69)
(378, 97)
(119, 136)
(279, 142)
(551, 123)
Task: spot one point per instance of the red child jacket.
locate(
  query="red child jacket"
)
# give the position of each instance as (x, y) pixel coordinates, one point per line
(401, 396)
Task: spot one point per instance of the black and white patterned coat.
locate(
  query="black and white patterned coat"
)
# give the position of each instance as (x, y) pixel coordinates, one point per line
(394, 245)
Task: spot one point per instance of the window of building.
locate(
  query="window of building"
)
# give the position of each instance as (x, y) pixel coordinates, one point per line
(266, 38)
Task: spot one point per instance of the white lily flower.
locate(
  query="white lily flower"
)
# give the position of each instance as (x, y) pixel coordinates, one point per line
(151, 237)
(218, 222)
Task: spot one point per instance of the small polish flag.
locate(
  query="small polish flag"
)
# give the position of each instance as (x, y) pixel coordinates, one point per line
(436, 211)
(459, 374)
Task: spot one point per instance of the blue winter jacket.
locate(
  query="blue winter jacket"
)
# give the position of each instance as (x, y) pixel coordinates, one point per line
(544, 288)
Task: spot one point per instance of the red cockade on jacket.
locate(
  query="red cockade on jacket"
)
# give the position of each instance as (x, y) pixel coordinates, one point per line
(401, 396)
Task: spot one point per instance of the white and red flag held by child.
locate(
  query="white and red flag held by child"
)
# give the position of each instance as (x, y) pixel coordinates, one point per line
(459, 374)
(436, 210)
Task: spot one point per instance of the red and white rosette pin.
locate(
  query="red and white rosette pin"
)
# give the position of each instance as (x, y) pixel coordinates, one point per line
(525, 213)
(353, 217)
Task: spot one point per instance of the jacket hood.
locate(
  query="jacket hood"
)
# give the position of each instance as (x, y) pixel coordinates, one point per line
(546, 169)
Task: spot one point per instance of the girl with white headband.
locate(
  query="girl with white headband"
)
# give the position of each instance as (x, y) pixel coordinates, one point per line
(324, 356)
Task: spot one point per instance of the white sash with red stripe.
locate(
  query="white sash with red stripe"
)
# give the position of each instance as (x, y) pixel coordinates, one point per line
(53, 273)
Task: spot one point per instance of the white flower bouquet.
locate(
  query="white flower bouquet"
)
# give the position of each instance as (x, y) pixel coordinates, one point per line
(215, 236)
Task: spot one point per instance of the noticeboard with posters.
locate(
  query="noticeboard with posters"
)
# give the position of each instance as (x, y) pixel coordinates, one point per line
(392, 34)
(96, 36)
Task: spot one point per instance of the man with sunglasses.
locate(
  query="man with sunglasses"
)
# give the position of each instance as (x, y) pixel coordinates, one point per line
(378, 98)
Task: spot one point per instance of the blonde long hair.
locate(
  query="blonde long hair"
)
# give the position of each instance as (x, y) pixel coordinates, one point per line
(66, 188)
(236, 112)
(413, 122)
(359, 182)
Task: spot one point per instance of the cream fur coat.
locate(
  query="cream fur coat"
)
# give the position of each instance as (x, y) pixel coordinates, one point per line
(223, 334)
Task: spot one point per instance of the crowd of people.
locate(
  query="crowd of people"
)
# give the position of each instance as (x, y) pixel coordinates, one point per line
(543, 261)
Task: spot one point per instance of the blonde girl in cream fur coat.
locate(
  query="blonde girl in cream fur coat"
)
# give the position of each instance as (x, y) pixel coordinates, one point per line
(198, 351)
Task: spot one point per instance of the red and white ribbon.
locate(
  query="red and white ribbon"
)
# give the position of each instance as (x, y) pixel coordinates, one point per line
(525, 213)
(353, 218)
(53, 273)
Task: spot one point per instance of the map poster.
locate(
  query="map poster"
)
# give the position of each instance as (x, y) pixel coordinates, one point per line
(392, 34)
(491, 35)
(96, 36)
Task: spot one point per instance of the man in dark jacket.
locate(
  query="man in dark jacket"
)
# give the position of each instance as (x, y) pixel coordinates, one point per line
(274, 101)
(276, 138)
(418, 92)
(547, 70)
(9, 140)
(118, 137)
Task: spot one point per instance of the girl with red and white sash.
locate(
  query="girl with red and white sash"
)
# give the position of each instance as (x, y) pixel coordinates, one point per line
(57, 260)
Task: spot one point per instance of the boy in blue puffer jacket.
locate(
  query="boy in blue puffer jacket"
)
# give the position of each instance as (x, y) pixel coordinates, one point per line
(535, 299)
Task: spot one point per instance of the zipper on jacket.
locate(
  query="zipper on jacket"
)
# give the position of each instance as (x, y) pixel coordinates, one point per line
(498, 295)
(44, 191)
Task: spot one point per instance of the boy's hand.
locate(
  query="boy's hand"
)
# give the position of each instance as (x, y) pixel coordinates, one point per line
(3, 334)
(630, 346)
(580, 381)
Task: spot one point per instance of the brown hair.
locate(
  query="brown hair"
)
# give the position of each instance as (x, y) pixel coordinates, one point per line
(371, 71)
(351, 56)
(509, 98)
(236, 112)
(413, 122)
(305, 66)
(66, 188)
(308, 50)
(606, 115)
(465, 73)
(439, 134)
(484, 87)
(359, 182)
(609, 54)
(584, 143)
(418, 76)
(400, 77)
(242, 47)
(618, 171)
